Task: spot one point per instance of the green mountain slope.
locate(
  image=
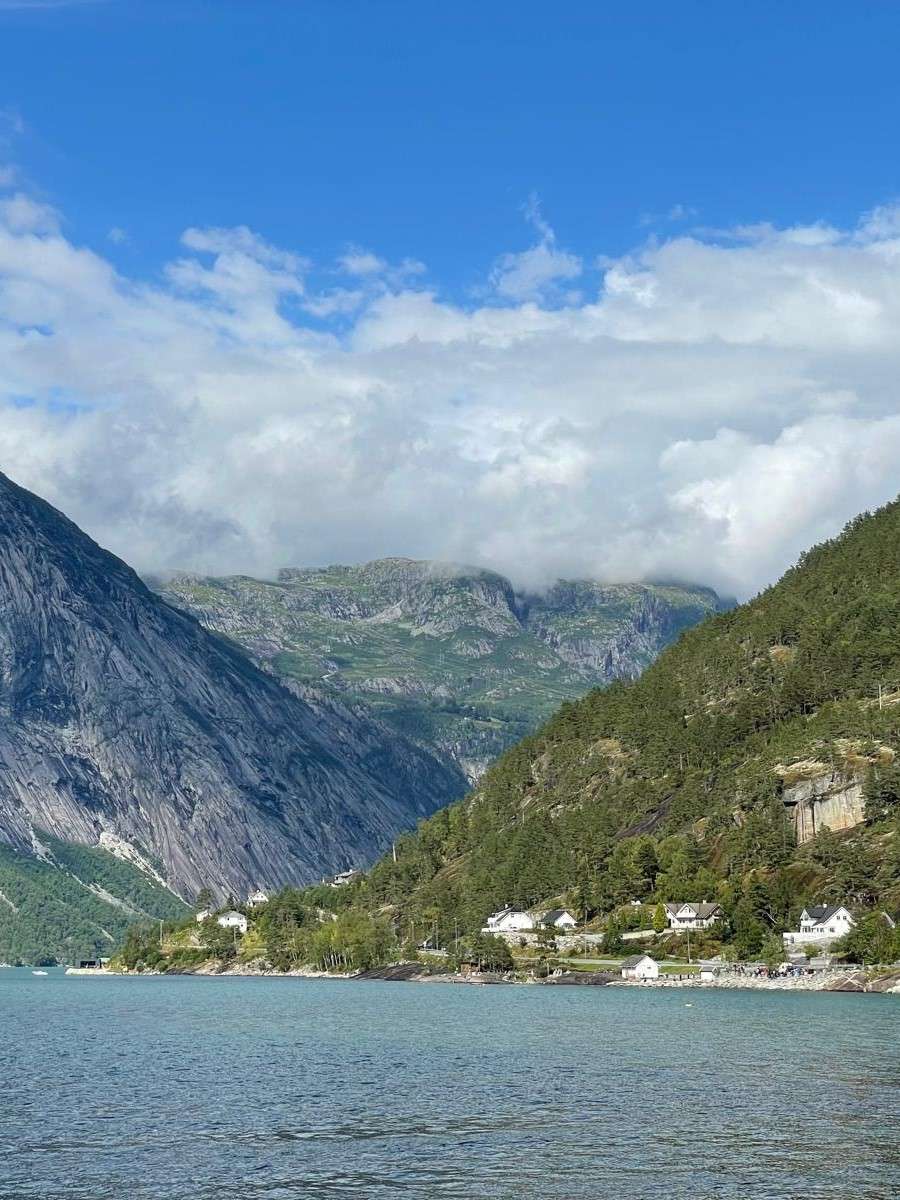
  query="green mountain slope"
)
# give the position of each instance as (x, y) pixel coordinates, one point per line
(707, 776)
(450, 655)
(72, 902)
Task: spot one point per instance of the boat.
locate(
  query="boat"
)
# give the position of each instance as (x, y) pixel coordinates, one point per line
(39, 972)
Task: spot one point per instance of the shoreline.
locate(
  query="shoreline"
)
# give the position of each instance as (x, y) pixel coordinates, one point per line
(859, 980)
(856, 979)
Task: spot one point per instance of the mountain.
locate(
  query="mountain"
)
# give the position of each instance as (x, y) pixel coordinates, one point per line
(450, 655)
(126, 725)
(756, 761)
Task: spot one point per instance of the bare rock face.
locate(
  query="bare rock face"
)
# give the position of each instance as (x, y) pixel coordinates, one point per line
(874, 980)
(122, 716)
(832, 800)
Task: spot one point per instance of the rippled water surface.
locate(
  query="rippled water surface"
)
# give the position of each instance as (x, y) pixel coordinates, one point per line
(263, 1089)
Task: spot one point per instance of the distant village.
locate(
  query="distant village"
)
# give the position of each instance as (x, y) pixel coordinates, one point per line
(805, 950)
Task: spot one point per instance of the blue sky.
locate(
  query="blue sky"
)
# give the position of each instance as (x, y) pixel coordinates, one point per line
(421, 129)
(576, 289)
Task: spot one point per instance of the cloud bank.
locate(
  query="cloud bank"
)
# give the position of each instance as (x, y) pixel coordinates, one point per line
(703, 408)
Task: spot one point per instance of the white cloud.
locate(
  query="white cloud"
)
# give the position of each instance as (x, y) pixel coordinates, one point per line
(335, 302)
(535, 273)
(21, 214)
(241, 243)
(678, 212)
(378, 272)
(719, 404)
(361, 262)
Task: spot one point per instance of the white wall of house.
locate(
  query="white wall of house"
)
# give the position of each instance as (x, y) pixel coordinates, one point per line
(797, 937)
(686, 918)
(647, 968)
(508, 922)
(565, 921)
(837, 924)
(818, 932)
(233, 920)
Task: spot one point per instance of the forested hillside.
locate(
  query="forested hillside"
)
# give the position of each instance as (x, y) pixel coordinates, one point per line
(686, 784)
(73, 902)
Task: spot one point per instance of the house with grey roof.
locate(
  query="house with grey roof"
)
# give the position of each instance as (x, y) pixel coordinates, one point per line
(821, 924)
(558, 918)
(692, 916)
(508, 920)
(640, 966)
(233, 920)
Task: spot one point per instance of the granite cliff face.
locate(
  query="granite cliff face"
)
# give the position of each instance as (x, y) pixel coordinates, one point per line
(125, 723)
(450, 655)
(827, 798)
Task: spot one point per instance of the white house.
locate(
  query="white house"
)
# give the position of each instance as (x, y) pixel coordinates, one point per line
(345, 877)
(508, 920)
(558, 918)
(693, 916)
(640, 966)
(256, 898)
(233, 920)
(822, 924)
(203, 915)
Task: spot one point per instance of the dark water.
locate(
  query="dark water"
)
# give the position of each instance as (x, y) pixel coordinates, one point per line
(263, 1089)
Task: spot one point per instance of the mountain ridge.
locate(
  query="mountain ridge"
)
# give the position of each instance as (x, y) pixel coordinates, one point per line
(452, 655)
(120, 713)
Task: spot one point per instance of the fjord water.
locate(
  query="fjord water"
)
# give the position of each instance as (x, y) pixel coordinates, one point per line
(276, 1089)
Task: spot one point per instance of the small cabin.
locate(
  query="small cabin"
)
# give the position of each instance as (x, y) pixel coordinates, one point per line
(640, 966)
(255, 899)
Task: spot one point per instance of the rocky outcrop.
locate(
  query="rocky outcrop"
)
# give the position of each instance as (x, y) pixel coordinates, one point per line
(859, 980)
(823, 799)
(124, 722)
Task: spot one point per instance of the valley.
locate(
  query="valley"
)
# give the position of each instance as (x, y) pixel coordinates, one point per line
(452, 656)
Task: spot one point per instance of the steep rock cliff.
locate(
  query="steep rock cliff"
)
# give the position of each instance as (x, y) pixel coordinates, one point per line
(120, 715)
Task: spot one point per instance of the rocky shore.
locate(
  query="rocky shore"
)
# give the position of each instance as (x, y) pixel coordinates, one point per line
(838, 979)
